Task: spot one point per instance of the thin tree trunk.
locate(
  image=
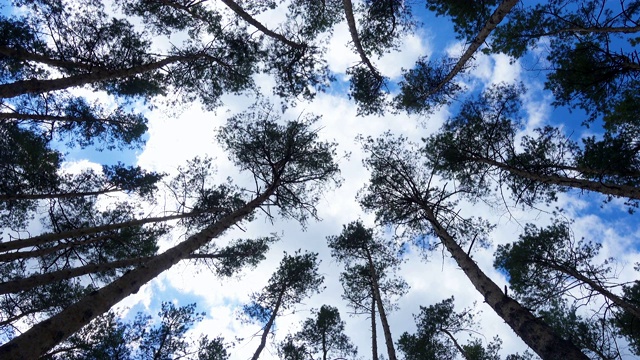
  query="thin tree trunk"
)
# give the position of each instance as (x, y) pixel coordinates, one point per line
(251, 20)
(374, 332)
(353, 30)
(618, 301)
(267, 327)
(391, 351)
(538, 335)
(53, 118)
(45, 335)
(324, 345)
(456, 344)
(11, 256)
(47, 238)
(13, 197)
(22, 54)
(30, 282)
(498, 15)
(34, 86)
(631, 192)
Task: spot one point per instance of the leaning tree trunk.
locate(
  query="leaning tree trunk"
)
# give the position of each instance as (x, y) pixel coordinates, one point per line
(30, 282)
(615, 299)
(35, 86)
(47, 238)
(267, 327)
(498, 15)
(631, 192)
(353, 31)
(534, 332)
(45, 335)
(23, 54)
(258, 25)
(66, 195)
(391, 351)
(12, 256)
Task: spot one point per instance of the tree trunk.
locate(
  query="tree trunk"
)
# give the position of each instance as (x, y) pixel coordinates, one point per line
(456, 344)
(13, 197)
(22, 54)
(391, 351)
(248, 18)
(498, 15)
(267, 327)
(11, 256)
(374, 333)
(604, 188)
(30, 282)
(324, 345)
(534, 332)
(617, 300)
(353, 30)
(45, 335)
(47, 238)
(35, 86)
(54, 118)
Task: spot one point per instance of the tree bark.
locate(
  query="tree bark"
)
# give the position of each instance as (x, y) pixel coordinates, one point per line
(53, 118)
(45, 335)
(353, 30)
(456, 344)
(251, 20)
(11, 256)
(267, 327)
(35, 86)
(22, 54)
(618, 301)
(601, 187)
(374, 332)
(13, 197)
(30, 282)
(534, 332)
(46, 238)
(391, 351)
(498, 15)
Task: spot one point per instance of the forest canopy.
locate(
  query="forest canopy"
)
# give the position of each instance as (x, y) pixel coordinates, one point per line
(332, 179)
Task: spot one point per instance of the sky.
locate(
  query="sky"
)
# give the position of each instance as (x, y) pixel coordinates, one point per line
(177, 135)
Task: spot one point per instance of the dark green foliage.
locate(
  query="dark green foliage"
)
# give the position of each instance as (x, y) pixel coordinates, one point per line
(110, 338)
(588, 68)
(237, 256)
(297, 277)
(468, 17)
(288, 157)
(400, 188)
(316, 16)
(32, 305)
(194, 191)
(592, 334)
(383, 24)
(370, 262)
(367, 89)
(477, 148)
(420, 91)
(547, 263)
(322, 336)
(628, 325)
(435, 338)
(27, 164)
(77, 122)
